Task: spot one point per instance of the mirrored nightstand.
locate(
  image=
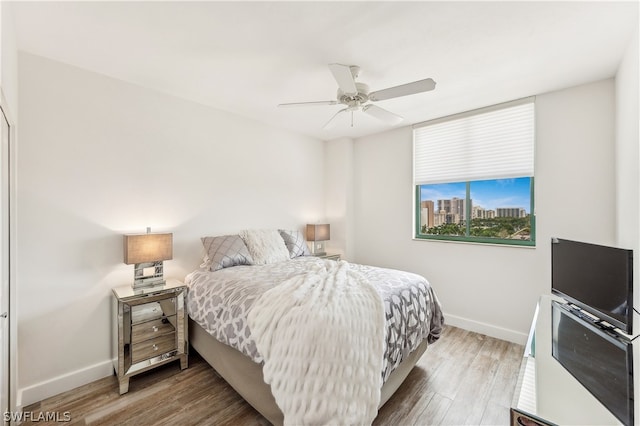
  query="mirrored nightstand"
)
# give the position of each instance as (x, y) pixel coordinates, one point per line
(329, 256)
(149, 329)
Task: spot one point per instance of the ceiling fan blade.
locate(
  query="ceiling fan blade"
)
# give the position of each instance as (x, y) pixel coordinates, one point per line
(294, 104)
(344, 77)
(382, 114)
(331, 123)
(403, 90)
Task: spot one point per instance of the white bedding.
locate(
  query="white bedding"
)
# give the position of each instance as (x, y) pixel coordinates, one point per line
(220, 302)
(328, 370)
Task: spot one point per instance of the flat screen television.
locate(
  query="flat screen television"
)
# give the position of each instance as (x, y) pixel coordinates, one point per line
(598, 279)
(600, 361)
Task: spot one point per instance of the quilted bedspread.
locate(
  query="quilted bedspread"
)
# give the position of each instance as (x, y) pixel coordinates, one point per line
(220, 302)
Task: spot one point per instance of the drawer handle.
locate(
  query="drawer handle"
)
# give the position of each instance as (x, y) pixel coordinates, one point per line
(154, 328)
(155, 347)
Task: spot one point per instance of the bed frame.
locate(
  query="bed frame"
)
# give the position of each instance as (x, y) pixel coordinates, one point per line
(246, 377)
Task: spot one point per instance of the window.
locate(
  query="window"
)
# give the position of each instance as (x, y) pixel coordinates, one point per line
(473, 176)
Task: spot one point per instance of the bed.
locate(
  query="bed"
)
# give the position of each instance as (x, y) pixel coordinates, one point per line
(239, 272)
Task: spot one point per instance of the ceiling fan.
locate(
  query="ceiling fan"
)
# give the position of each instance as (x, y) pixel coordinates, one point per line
(356, 96)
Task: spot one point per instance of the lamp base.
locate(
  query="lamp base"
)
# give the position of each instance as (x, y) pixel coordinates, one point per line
(317, 248)
(148, 274)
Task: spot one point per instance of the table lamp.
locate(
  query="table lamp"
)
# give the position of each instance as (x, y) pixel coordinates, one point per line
(317, 234)
(146, 252)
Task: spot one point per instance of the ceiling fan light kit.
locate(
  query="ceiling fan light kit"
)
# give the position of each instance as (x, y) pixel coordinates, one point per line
(355, 95)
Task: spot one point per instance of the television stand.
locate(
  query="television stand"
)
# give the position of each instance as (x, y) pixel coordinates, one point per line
(546, 393)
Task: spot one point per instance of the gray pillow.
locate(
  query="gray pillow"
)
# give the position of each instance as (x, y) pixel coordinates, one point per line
(295, 242)
(225, 251)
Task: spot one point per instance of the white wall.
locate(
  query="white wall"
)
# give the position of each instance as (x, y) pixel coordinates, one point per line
(627, 171)
(494, 289)
(100, 158)
(9, 58)
(628, 154)
(339, 209)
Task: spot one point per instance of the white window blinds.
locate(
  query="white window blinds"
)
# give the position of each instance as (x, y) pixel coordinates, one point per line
(491, 143)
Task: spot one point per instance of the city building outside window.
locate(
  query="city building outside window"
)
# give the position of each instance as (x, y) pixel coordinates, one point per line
(473, 176)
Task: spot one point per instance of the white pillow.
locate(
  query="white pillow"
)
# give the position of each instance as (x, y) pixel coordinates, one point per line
(265, 245)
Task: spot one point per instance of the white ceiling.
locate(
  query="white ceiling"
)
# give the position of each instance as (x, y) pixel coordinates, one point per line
(248, 57)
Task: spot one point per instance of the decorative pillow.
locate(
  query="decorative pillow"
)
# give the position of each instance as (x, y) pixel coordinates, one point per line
(265, 246)
(295, 242)
(225, 251)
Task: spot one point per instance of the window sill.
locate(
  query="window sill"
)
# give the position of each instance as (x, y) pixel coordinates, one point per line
(464, 240)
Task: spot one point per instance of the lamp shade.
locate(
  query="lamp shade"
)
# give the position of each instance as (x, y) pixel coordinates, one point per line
(318, 232)
(142, 248)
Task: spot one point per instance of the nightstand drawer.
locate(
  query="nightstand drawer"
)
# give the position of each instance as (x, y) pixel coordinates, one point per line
(151, 329)
(153, 310)
(153, 347)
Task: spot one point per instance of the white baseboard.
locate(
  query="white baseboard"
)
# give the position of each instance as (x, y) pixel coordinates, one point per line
(39, 391)
(486, 329)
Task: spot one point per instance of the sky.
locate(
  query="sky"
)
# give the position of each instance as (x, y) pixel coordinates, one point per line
(489, 194)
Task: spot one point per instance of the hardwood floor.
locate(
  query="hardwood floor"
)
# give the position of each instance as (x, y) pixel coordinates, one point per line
(464, 378)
